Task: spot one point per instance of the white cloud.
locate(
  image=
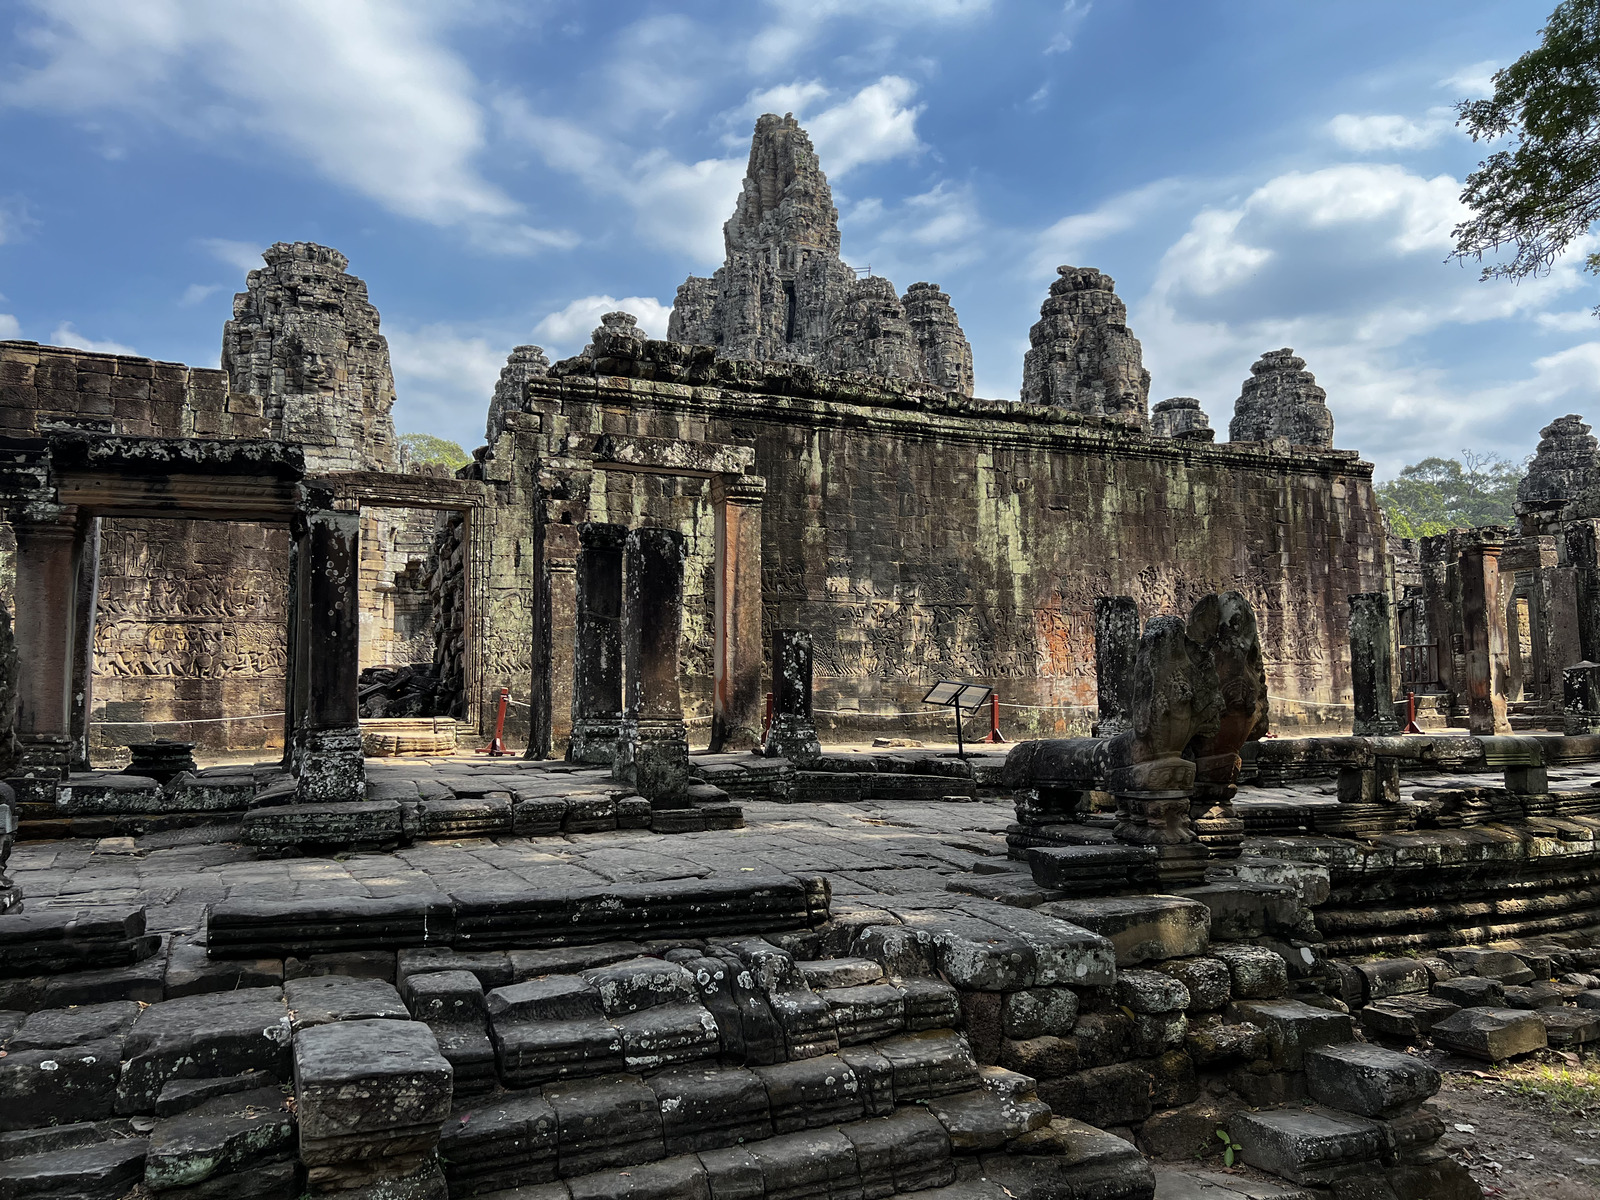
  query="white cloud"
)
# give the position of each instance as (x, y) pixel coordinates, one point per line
(1346, 265)
(363, 90)
(1073, 14)
(66, 335)
(1391, 131)
(798, 23)
(1069, 239)
(443, 379)
(567, 330)
(245, 256)
(1473, 81)
(10, 328)
(875, 124)
(1583, 320)
(196, 292)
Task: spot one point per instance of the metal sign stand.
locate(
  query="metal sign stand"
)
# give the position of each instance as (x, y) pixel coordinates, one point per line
(958, 694)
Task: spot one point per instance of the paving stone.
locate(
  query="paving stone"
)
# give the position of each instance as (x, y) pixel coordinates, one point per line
(506, 1141)
(365, 1078)
(53, 1028)
(710, 1107)
(1472, 991)
(1309, 1146)
(1088, 1162)
(258, 1181)
(357, 964)
(864, 1014)
(1039, 1012)
(191, 972)
(1294, 1028)
(609, 1121)
(1494, 1034)
(220, 1136)
(219, 1033)
(906, 1151)
(1409, 1017)
(319, 999)
(1386, 977)
(1368, 1080)
(49, 1138)
(840, 972)
(67, 1085)
(102, 1171)
(665, 1034)
(1566, 1027)
(1141, 928)
(1494, 964)
(180, 1095)
(1208, 980)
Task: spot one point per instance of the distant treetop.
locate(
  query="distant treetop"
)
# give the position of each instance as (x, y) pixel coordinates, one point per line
(425, 448)
(1437, 495)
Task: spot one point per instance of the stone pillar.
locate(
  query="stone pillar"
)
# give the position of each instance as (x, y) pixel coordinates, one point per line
(562, 586)
(737, 702)
(294, 670)
(1116, 646)
(597, 645)
(1582, 540)
(794, 731)
(46, 599)
(653, 751)
(1580, 699)
(328, 645)
(1559, 643)
(1484, 638)
(83, 645)
(1372, 665)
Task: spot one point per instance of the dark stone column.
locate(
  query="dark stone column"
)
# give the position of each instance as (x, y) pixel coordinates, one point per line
(1483, 625)
(1580, 699)
(46, 598)
(737, 701)
(83, 645)
(794, 731)
(1560, 644)
(1116, 646)
(1372, 665)
(1582, 539)
(597, 645)
(653, 751)
(295, 668)
(328, 645)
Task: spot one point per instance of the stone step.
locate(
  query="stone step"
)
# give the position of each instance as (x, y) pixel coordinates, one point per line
(100, 1171)
(681, 1134)
(1181, 1183)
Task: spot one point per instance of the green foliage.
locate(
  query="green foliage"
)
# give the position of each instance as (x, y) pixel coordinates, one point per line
(1229, 1147)
(425, 448)
(1439, 494)
(1543, 192)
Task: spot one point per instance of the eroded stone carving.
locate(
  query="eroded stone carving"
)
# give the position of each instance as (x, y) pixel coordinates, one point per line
(783, 294)
(1083, 356)
(510, 391)
(1281, 400)
(1565, 467)
(1226, 625)
(305, 338)
(1181, 417)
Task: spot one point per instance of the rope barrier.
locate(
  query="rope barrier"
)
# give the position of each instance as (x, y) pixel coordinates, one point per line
(1309, 703)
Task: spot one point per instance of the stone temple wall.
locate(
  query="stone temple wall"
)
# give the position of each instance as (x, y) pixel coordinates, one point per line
(917, 535)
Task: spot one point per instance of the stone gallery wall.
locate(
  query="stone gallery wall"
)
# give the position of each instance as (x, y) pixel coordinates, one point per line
(919, 535)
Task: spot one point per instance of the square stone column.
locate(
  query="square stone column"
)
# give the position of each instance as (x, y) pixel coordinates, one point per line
(597, 645)
(46, 622)
(1580, 699)
(83, 644)
(328, 759)
(1483, 624)
(653, 751)
(1116, 647)
(737, 701)
(1372, 665)
(794, 729)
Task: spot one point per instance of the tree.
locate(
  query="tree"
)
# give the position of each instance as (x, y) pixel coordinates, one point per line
(1439, 494)
(425, 448)
(1544, 192)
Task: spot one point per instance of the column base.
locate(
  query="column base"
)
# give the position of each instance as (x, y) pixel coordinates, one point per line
(1378, 728)
(1218, 828)
(43, 755)
(653, 759)
(794, 738)
(726, 737)
(329, 766)
(594, 740)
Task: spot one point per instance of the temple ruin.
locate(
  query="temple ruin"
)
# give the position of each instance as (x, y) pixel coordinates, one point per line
(569, 825)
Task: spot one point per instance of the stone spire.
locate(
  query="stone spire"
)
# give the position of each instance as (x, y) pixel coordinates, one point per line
(1180, 417)
(1084, 358)
(1564, 467)
(946, 358)
(510, 390)
(783, 294)
(305, 338)
(1281, 399)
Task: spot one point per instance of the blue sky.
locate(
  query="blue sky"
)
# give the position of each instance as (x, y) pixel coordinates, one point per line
(1253, 174)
